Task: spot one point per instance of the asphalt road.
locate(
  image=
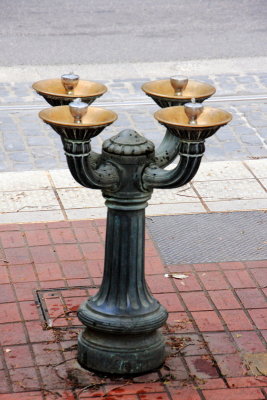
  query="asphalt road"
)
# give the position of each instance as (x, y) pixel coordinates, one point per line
(39, 32)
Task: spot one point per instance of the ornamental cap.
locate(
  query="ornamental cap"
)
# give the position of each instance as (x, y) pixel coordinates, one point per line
(128, 143)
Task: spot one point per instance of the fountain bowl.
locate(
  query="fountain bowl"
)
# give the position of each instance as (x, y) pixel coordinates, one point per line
(177, 122)
(93, 122)
(163, 93)
(53, 91)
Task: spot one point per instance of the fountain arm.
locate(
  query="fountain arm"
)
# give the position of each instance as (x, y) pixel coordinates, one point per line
(168, 149)
(190, 157)
(86, 166)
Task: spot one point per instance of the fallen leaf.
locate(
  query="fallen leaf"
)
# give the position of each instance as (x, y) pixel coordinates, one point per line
(176, 276)
(8, 350)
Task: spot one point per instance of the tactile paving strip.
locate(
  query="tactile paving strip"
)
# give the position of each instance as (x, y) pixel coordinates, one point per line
(218, 237)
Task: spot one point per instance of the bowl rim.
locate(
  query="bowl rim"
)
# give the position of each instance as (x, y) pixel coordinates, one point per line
(75, 124)
(103, 89)
(211, 88)
(228, 118)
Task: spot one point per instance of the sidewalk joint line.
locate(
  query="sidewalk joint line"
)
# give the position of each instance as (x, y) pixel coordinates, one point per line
(57, 196)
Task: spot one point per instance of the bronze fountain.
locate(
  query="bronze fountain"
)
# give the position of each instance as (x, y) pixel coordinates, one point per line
(122, 320)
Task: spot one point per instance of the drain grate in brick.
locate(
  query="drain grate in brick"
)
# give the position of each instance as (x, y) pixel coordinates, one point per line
(218, 237)
(58, 306)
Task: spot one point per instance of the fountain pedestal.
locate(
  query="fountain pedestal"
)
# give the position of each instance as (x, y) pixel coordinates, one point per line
(123, 317)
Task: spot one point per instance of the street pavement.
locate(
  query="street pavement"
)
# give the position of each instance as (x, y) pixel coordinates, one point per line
(113, 31)
(26, 143)
(52, 248)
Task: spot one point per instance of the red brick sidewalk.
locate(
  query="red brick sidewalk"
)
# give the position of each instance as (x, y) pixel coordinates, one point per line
(216, 329)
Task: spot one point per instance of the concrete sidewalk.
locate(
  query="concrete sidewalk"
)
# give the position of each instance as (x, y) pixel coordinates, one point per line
(34, 196)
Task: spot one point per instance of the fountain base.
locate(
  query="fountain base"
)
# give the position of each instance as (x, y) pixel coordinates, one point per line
(120, 354)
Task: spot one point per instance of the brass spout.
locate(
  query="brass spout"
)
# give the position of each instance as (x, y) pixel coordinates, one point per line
(78, 109)
(193, 111)
(179, 83)
(70, 81)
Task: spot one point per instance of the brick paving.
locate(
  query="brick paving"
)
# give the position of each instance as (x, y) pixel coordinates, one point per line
(217, 320)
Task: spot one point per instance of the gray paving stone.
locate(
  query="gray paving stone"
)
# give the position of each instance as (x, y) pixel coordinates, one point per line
(2, 154)
(262, 132)
(224, 134)
(257, 122)
(238, 155)
(44, 152)
(138, 83)
(62, 159)
(257, 152)
(246, 79)
(213, 141)
(46, 163)
(151, 136)
(204, 78)
(263, 107)
(237, 120)
(213, 153)
(122, 121)
(38, 141)
(22, 167)
(8, 130)
(32, 132)
(243, 130)
(3, 93)
(13, 143)
(20, 156)
(252, 140)
(4, 166)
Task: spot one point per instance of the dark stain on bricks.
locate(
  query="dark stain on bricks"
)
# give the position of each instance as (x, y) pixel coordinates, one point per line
(119, 390)
(113, 397)
(205, 366)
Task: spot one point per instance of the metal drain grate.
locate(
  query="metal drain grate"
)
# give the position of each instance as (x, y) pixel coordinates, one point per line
(58, 306)
(218, 237)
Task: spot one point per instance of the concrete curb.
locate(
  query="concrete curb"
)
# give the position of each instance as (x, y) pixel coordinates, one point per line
(243, 65)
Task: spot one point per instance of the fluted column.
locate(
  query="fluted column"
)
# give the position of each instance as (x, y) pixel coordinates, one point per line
(124, 289)
(123, 317)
